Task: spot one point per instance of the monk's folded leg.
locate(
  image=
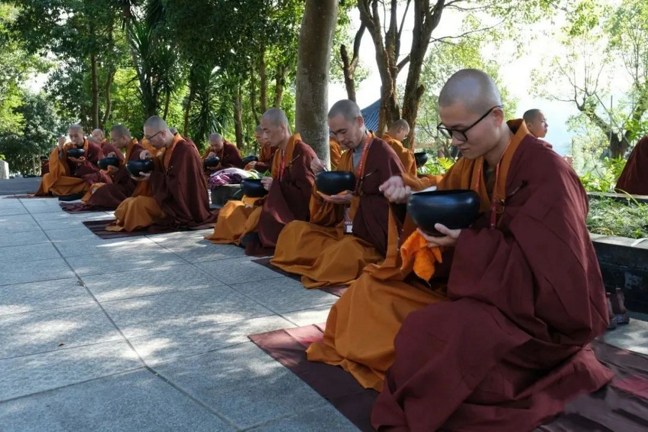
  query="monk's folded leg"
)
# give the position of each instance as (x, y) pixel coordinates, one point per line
(66, 185)
(231, 222)
(362, 324)
(138, 212)
(300, 243)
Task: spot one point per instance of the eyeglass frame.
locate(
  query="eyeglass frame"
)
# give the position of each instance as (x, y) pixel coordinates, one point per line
(149, 138)
(449, 132)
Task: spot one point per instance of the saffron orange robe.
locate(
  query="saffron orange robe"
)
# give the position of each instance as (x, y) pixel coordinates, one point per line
(319, 250)
(122, 186)
(335, 153)
(178, 193)
(286, 201)
(67, 178)
(634, 177)
(525, 297)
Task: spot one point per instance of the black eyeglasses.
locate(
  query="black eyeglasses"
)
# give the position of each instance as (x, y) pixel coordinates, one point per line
(460, 134)
(156, 133)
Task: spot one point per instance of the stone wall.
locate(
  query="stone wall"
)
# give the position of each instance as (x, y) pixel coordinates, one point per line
(4, 170)
(624, 264)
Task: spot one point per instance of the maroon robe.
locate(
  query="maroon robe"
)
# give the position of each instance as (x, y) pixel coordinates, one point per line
(287, 199)
(88, 169)
(511, 346)
(634, 178)
(180, 189)
(122, 185)
(229, 157)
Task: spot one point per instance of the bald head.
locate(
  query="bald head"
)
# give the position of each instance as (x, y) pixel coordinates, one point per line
(275, 117)
(157, 132)
(345, 108)
(536, 122)
(472, 88)
(156, 123)
(399, 129)
(276, 130)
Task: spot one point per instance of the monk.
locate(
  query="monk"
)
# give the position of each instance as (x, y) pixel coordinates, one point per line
(68, 176)
(121, 185)
(394, 136)
(525, 295)
(178, 191)
(536, 122)
(97, 136)
(266, 153)
(349, 230)
(634, 177)
(289, 188)
(226, 151)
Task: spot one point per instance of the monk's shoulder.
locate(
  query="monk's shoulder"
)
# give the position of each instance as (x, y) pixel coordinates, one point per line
(304, 148)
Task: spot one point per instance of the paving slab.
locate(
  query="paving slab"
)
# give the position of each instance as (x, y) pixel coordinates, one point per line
(33, 271)
(87, 265)
(282, 295)
(21, 238)
(238, 271)
(135, 401)
(196, 250)
(142, 316)
(633, 336)
(128, 282)
(309, 316)
(93, 245)
(28, 252)
(53, 330)
(242, 384)
(16, 223)
(26, 375)
(324, 419)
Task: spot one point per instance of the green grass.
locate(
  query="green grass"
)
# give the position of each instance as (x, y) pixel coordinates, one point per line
(613, 218)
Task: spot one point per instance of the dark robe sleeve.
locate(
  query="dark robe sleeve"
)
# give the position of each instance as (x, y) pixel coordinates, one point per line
(231, 157)
(181, 190)
(88, 170)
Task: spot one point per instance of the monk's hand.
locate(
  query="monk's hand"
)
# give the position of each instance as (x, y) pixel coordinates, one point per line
(395, 190)
(145, 154)
(77, 161)
(61, 142)
(449, 237)
(266, 182)
(317, 166)
(141, 177)
(112, 169)
(344, 197)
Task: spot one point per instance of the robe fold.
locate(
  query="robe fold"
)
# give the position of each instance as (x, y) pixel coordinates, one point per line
(67, 178)
(405, 155)
(634, 177)
(319, 250)
(525, 297)
(177, 197)
(286, 201)
(335, 153)
(122, 186)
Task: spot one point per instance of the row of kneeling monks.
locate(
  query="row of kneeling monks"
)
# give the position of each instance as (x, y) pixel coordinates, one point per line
(479, 327)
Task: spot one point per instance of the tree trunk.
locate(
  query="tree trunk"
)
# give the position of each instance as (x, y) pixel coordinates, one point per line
(108, 109)
(94, 90)
(238, 117)
(253, 99)
(167, 102)
(280, 83)
(190, 97)
(315, 41)
(263, 84)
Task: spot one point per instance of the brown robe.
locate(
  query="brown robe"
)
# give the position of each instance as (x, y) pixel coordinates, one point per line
(335, 153)
(526, 297)
(319, 251)
(229, 157)
(122, 186)
(265, 159)
(404, 154)
(634, 178)
(178, 193)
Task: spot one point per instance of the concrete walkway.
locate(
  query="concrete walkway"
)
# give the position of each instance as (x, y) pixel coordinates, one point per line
(149, 333)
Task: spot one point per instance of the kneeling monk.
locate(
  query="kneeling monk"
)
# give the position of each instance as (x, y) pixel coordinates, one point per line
(178, 191)
(289, 189)
(347, 231)
(525, 295)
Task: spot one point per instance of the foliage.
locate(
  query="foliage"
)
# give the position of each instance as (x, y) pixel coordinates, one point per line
(437, 166)
(612, 218)
(603, 176)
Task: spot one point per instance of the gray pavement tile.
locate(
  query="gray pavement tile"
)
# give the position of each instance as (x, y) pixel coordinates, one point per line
(62, 220)
(238, 271)
(23, 238)
(106, 264)
(17, 223)
(195, 250)
(93, 245)
(632, 337)
(37, 296)
(78, 233)
(13, 210)
(28, 252)
(243, 383)
(22, 376)
(285, 294)
(41, 205)
(170, 342)
(324, 419)
(50, 330)
(34, 271)
(138, 282)
(135, 401)
(308, 317)
(143, 316)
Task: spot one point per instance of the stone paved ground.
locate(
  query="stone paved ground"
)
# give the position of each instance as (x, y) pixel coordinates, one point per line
(149, 333)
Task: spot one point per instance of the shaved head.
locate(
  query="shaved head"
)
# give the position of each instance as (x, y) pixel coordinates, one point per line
(275, 128)
(75, 128)
(472, 88)
(258, 130)
(345, 108)
(276, 117)
(156, 123)
(531, 115)
(157, 132)
(120, 131)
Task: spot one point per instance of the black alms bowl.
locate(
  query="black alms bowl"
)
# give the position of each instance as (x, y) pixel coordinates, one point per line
(421, 158)
(454, 208)
(106, 162)
(136, 166)
(75, 152)
(253, 188)
(247, 159)
(211, 162)
(334, 182)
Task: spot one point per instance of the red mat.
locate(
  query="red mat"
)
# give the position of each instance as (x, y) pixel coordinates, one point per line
(619, 407)
(336, 290)
(98, 227)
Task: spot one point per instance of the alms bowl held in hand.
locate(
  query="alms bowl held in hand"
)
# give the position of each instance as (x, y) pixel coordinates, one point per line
(136, 166)
(454, 208)
(253, 188)
(106, 162)
(334, 182)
